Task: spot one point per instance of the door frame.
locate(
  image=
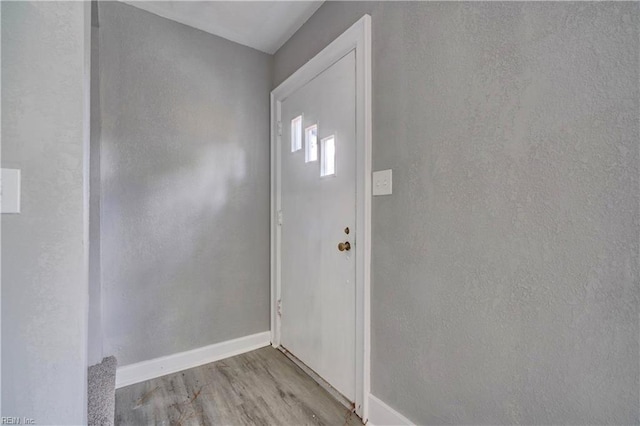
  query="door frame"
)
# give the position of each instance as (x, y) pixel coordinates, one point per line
(358, 38)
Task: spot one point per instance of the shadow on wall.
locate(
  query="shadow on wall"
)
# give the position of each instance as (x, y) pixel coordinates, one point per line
(172, 202)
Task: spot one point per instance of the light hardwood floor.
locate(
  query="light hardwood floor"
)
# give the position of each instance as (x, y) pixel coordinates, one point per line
(262, 387)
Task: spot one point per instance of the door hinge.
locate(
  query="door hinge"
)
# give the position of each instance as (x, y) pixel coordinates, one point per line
(279, 128)
(279, 308)
(280, 217)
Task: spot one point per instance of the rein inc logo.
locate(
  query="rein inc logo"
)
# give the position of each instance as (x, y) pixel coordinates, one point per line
(17, 421)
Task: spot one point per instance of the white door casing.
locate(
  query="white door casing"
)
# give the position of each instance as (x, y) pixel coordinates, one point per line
(357, 39)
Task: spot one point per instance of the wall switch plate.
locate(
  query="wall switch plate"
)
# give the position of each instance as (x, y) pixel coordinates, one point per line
(10, 191)
(382, 182)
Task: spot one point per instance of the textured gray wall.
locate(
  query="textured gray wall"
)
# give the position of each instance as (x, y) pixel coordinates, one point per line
(505, 264)
(44, 274)
(185, 186)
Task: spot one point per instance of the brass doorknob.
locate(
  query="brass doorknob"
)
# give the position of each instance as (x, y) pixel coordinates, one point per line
(344, 246)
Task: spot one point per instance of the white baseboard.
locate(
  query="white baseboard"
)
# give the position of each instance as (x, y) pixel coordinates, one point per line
(145, 370)
(380, 414)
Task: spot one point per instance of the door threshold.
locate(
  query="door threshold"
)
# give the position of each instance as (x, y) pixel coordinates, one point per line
(319, 380)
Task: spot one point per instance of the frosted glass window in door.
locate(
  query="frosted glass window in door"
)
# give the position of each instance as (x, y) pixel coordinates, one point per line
(296, 134)
(311, 143)
(328, 156)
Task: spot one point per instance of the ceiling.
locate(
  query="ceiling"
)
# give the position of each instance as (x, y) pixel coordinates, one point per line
(263, 25)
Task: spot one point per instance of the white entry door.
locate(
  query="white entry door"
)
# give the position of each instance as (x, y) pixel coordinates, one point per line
(318, 203)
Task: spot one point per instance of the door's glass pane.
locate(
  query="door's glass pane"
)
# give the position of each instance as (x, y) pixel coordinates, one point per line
(328, 156)
(296, 134)
(311, 143)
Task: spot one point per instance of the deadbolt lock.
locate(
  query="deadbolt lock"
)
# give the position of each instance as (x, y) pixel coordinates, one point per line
(346, 230)
(344, 246)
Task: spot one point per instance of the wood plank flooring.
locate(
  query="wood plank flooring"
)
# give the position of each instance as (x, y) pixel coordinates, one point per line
(262, 387)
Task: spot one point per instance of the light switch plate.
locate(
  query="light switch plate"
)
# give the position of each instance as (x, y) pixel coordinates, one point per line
(10, 191)
(382, 182)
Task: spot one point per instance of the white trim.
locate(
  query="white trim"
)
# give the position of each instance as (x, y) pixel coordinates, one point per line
(358, 38)
(145, 370)
(86, 179)
(0, 228)
(380, 414)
